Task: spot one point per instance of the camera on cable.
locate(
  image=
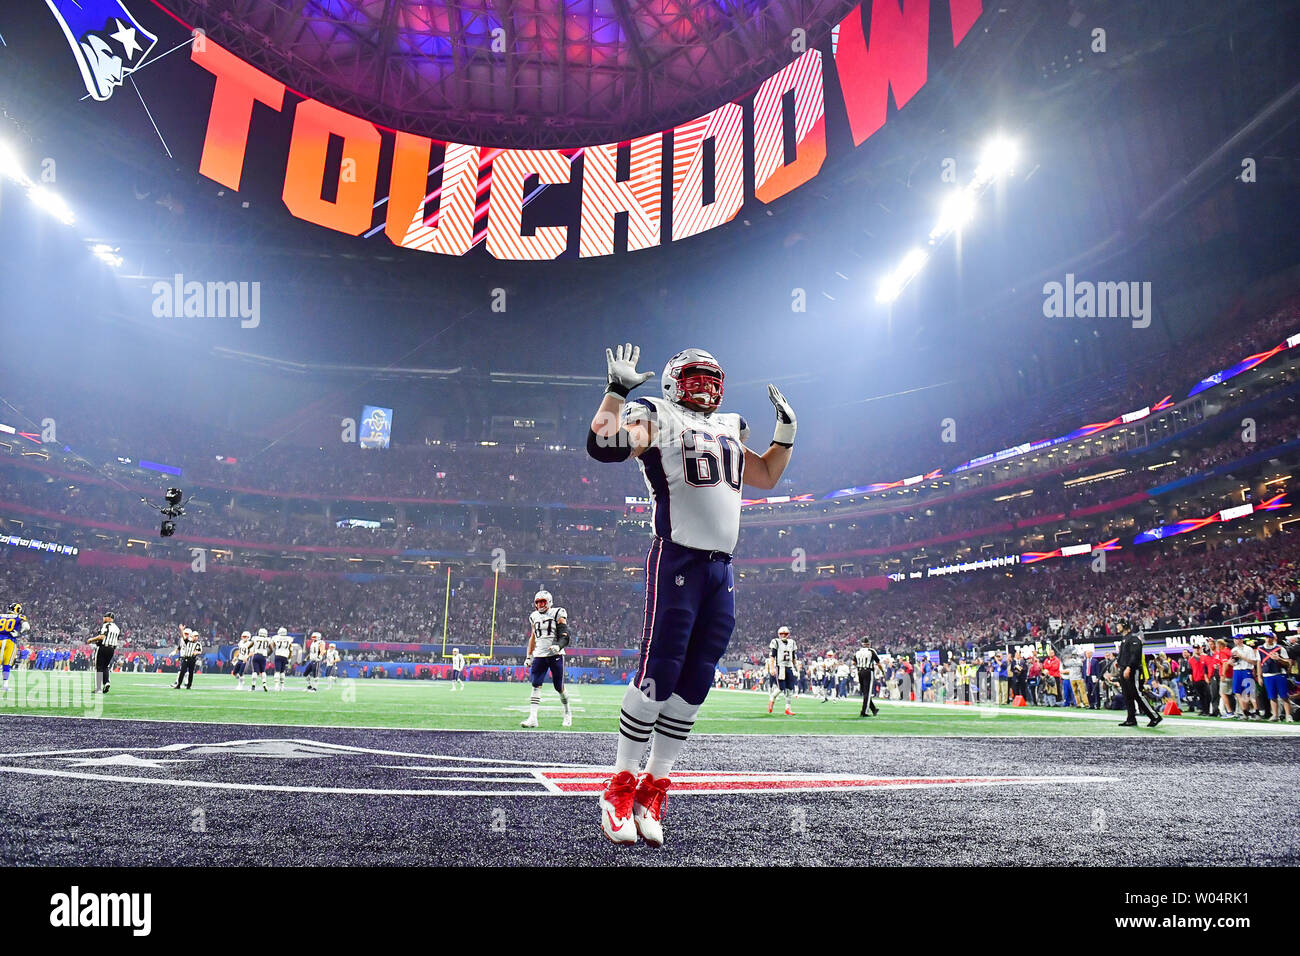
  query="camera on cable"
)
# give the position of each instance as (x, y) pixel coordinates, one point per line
(170, 511)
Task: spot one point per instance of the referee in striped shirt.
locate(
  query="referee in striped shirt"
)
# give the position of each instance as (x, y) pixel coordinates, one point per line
(106, 642)
(868, 662)
(188, 647)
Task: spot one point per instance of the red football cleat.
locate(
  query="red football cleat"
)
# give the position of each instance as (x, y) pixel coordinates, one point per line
(648, 808)
(769, 705)
(789, 712)
(616, 808)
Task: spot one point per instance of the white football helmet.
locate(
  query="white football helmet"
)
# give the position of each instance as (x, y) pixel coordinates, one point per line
(315, 635)
(782, 632)
(542, 600)
(693, 378)
(261, 632)
(245, 634)
(282, 632)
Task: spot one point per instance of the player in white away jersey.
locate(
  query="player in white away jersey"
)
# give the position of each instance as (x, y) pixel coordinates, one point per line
(784, 652)
(694, 462)
(457, 669)
(261, 648)
(315, 658)
(548, 635)
(332, 657)
(239, 658)
(283, 645)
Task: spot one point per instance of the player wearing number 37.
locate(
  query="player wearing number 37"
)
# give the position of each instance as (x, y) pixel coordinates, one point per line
(694, 461)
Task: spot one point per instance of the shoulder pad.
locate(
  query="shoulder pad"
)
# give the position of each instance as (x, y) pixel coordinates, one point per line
(641, 410)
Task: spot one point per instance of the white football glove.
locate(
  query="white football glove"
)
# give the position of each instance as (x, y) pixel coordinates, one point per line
(785, 423)
(623, 376)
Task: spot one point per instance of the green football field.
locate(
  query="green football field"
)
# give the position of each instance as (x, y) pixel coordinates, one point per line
(433, 705)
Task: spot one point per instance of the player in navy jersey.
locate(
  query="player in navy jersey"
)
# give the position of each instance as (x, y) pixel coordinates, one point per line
(694, 462)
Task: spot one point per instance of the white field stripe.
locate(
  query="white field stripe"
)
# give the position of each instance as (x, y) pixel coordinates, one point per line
(598, 772)
(372, 791)
(275, 788)
(478, 779)
(341, 748)
(1269, 730)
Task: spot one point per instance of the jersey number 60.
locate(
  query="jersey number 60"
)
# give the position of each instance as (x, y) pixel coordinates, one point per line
(700, 459)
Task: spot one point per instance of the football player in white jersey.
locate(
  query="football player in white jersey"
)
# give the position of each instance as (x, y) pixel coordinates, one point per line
(694, 461)
(332, 662)
(283, 645)
(261, 647)
(239, 658)
(457, 669)
(548, 635)
(784, 653)
(315, 655)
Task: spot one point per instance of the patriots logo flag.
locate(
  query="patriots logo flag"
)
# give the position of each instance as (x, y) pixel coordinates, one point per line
(299, 765)
(107, 41)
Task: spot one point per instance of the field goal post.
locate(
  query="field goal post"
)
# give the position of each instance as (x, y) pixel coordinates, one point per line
(492, 635)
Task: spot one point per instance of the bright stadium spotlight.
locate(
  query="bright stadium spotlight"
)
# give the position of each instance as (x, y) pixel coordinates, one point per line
(106, 254)
(997, 159)
(957, 210)
(52, 203)
(892, 286)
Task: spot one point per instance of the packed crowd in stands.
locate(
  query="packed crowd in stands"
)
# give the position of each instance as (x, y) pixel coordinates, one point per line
(1248, 581)
(453, 530)
(1158, 587)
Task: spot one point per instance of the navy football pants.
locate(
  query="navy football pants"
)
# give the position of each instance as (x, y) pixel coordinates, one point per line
(690, 612)
(554, 665)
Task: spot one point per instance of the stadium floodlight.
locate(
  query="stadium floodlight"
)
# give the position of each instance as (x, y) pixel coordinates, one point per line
(52, 203)
(997, 159)
(107, 255)
(957, 210)
(892, 286)
(11, 167)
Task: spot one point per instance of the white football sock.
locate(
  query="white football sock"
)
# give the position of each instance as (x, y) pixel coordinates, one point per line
(635, 725)
(675, 720)
(564, 699)
(533, 703)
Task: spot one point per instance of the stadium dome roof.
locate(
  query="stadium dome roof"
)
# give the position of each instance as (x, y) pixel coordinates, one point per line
(517, 73)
